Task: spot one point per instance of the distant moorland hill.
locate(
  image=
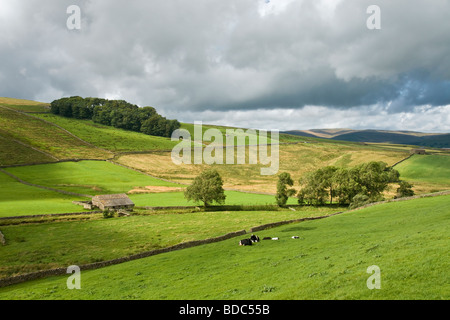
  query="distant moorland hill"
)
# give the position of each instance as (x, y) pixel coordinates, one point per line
(435, 140)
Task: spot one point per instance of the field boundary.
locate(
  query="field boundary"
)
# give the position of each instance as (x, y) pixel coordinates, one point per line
(402, 160)
(31, 147)
(49, 215)
(44, 187)
(53, 162)
(237, 207)
(59, 127)
(418, 196)
(2, 238)
(183, 245)
(96, 265)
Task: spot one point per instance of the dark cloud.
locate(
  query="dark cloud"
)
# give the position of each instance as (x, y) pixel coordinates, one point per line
(231, 55)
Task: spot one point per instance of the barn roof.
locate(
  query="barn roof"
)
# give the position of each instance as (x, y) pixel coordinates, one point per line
(113, 200)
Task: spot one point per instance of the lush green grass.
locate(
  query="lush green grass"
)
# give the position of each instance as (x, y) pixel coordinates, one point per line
(86, 177)
(110, 138)
(407, 240)
(177, 199)
(17, 199)
(33, 247)
(428, 173)
(91, 178)
(426, 168)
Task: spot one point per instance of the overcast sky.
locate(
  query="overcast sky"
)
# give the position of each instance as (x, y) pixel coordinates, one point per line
(278, 64)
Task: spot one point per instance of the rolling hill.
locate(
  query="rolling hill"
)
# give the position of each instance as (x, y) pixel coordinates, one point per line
(441, 140)
(50, 161)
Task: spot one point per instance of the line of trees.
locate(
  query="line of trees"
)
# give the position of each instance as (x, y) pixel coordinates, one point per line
(347, 186)
(116, 113)
(355, 186)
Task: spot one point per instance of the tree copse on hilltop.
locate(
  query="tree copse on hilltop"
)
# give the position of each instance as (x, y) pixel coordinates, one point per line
(116, 113)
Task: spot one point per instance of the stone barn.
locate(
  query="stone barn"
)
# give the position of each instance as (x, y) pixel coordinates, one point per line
(113, 202)
(417, 151)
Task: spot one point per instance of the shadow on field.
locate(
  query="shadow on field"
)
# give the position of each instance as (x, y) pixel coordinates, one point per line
(298, 228)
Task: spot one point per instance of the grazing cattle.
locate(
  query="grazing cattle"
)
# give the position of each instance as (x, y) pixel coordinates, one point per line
(254, 238)
(295, 237)
(245, 242)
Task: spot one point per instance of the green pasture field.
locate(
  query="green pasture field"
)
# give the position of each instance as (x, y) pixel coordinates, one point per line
(428, 173)
(86, 177)
(87, 239)
(407, 240)
(426, 168)
(177, 199)
(17, 199)
(92, 178)
(110, 138)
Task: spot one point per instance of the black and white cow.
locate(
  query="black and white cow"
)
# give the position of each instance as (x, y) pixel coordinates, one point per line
(245, 242)
(254, 238)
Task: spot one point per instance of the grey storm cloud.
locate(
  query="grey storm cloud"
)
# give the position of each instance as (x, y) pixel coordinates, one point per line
(230, 55)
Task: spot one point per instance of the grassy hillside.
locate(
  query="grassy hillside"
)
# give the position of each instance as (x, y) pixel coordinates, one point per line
(407, 240)
(86, 177)
(25, 105)
(15, 152)
(92, 178)
(297, 159)
(17, 199)
(110, 138)
(48, 244)
(43, 136)
(429, 173)
(379, 136)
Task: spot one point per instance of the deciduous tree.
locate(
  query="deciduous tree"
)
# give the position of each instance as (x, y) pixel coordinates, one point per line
(207, 188)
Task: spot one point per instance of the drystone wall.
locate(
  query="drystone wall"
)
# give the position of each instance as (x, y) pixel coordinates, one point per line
(61, 271)
(2, 239)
